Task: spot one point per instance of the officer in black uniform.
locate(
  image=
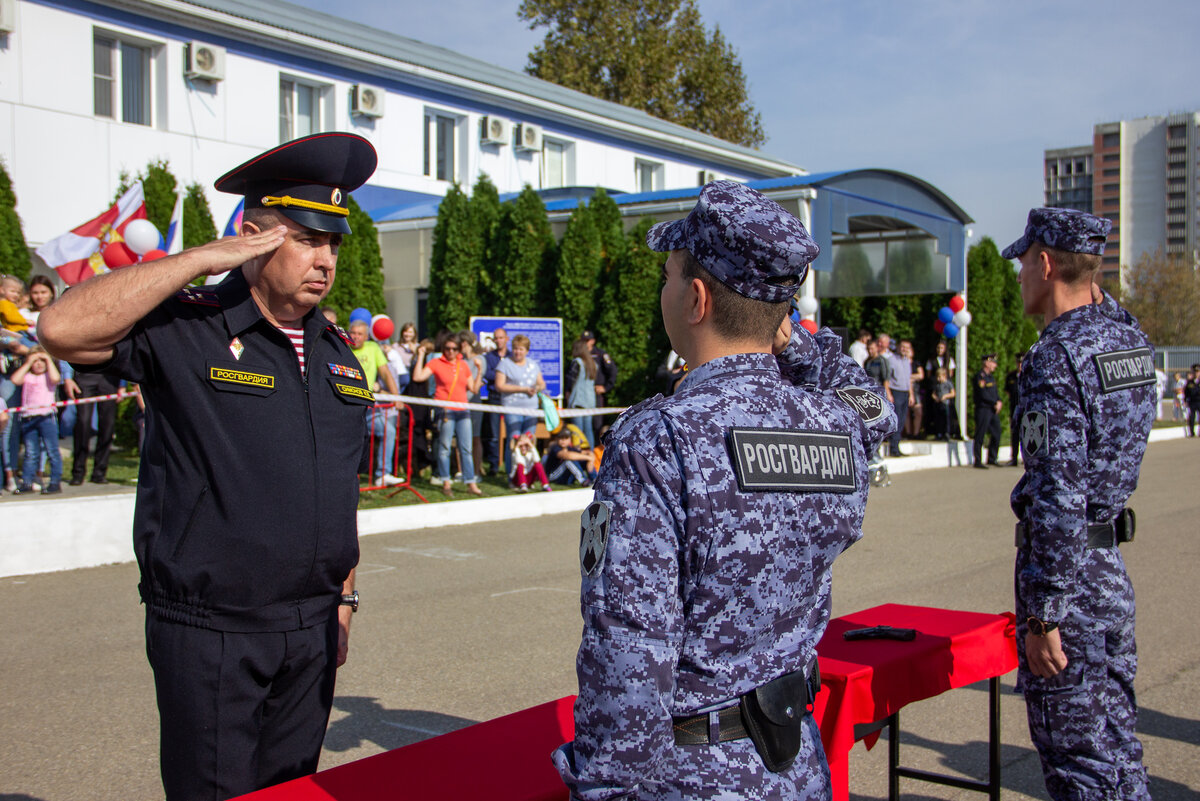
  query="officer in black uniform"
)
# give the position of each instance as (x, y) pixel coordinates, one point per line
(987, 412)
(245, 528)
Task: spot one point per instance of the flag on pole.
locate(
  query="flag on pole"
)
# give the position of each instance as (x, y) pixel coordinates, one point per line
(76, 255)
(234, 226)
(174, 238)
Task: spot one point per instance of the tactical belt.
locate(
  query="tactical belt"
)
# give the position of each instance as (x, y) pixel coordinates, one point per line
(729, 724)
(1099, 535)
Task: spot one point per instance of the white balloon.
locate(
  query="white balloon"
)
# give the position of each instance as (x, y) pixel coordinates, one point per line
(141, 236)
(807, 306)
(962, 318)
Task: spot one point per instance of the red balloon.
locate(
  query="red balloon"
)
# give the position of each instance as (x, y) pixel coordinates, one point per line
(956, 304)
(938, 326)
(151, 255)
(116, 254)
(809, 325)
(382, 328)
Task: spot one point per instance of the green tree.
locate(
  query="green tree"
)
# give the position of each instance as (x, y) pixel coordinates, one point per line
(610, 228)
(653, 55)
(14, 253)
(198, 225)
(359, 279)
(579, 268)
(454, 264)
(1163, 292)
(910, 267)
(523, 241)
(998, 321)
(630, 326)
(485, 212)
(852, 274)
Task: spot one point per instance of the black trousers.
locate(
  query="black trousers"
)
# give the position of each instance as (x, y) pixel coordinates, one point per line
(239, 711)
(900, 402)
(987, 422)
(92, 385)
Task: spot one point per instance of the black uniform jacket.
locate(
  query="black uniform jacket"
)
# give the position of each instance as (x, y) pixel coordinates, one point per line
(986, 393)
(247, 493)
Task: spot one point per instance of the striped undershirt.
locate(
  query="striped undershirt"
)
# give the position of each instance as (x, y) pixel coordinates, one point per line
(296, 335)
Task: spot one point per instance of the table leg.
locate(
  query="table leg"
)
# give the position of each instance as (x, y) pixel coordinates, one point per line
(893, 727)
(994, 739)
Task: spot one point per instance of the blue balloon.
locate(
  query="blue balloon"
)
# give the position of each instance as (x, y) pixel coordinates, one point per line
(361, 313)
(950, 331)
(946, 314)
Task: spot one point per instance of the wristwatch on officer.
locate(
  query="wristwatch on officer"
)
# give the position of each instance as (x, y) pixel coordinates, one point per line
(1039, 627)
(350, 600)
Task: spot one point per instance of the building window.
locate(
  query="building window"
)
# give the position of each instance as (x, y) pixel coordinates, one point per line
(121, 79)
(1110, 140)
(1176, 131)
(1112, 172)
(1110, 157)
(557, 164)
(299, 108)
(649, 175)
(441, 146)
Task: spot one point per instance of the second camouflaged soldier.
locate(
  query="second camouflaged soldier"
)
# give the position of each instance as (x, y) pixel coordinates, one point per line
(1087, 404)
(718, 513)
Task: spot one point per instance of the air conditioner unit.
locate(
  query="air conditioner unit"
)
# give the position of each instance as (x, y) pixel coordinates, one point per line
(203, 62)
(706, 177)
(367, 101)
(529, 136)
(8, 16)
(495, 131)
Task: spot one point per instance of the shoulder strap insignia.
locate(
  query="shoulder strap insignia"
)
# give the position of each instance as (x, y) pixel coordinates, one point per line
(337, 329)
(199, 295)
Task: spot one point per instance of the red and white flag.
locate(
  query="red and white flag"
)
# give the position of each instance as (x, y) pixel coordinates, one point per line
(77, 255)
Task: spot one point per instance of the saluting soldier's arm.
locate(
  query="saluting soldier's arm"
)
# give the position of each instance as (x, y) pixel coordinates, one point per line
(85, 323)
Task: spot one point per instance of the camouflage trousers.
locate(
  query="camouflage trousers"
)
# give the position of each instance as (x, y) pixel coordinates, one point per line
(1083, 721)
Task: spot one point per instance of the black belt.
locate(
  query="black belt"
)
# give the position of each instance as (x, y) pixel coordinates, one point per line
(699, 730)
(1099, 535)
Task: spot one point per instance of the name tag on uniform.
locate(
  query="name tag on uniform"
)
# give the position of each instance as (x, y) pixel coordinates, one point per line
(792, 461)
(351, 391)
(1122, 369)
(240, 380)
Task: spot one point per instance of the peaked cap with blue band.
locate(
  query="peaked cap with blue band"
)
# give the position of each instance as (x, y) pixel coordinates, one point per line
(1068, 230)
(749, 243)
(308, 180)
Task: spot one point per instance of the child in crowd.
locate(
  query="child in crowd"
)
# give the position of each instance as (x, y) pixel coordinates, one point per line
(1178, 404)
(38, 378)
(568, 464)
(526, 463)
(943, 393)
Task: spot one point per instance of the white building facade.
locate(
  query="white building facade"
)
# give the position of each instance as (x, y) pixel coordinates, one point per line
(89, 90)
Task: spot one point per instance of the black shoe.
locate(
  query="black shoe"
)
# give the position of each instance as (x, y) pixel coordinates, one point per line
(979, 466)
(23, 489)
(52, 489)
(896, 455)
(99, 480)
(76, 482)
(1013, 463)
(994, 464)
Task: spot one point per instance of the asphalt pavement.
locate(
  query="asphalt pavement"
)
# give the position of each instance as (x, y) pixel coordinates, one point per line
(466, 623)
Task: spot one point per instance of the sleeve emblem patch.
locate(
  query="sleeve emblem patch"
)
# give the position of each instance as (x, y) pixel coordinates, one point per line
(593, 536)
(1035, 434)
(870, 407)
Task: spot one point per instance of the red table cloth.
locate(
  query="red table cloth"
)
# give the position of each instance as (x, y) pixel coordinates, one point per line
(508, 759)
(864, 681)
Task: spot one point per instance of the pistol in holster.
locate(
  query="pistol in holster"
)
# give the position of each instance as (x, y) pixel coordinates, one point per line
(774, 713)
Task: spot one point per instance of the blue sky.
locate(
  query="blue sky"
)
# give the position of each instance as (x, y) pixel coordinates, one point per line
(962, 93)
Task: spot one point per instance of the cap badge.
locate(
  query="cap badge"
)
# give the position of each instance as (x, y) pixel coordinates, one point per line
(236, 347)
(336, 197)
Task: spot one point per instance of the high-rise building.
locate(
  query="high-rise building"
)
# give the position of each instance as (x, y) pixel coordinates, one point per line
(1141, 174)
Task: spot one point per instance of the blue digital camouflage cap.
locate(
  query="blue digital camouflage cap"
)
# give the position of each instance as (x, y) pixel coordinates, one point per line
(1062, 229)
(749, 243)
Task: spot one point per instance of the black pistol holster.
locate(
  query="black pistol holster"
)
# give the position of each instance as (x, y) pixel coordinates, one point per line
(774, 716)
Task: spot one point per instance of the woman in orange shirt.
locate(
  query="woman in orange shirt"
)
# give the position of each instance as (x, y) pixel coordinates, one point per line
(452, 382)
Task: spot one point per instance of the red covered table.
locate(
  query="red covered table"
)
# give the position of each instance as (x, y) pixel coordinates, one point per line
(866, 682)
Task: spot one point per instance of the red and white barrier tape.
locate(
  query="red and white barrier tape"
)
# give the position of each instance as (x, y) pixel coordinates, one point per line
(78, 402)
(492, 408)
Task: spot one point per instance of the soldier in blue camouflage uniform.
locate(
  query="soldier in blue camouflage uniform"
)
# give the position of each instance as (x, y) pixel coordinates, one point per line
(1086, 405)
(718, 513)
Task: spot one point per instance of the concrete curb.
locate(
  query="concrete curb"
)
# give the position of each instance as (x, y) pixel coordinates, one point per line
(46, 536)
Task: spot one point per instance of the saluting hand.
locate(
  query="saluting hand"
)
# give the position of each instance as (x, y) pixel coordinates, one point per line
(224, 254)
